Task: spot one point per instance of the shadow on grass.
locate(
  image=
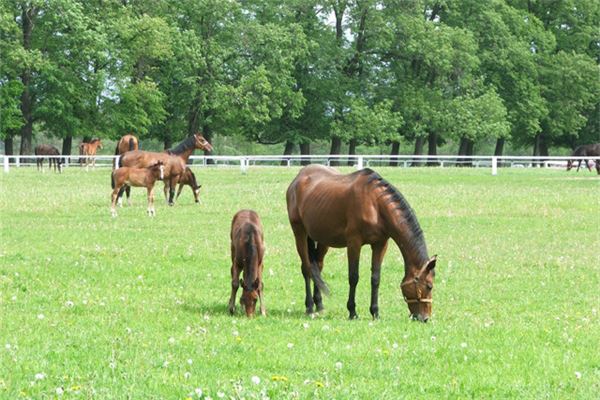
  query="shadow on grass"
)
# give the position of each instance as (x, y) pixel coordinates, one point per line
(195, 307)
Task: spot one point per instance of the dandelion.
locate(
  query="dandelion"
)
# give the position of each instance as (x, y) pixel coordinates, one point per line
(40, 376)
(577, 374)
(255, 379)
(187, 375)
(189, 361)
(338, 365)
(433, 338)
(279, 378)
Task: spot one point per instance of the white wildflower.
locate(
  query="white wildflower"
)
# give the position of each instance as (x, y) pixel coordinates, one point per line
(255, 379)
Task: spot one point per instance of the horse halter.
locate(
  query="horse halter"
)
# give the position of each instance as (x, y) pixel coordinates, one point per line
(418, 291)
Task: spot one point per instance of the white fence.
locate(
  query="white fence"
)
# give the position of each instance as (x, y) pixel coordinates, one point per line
(358, 161)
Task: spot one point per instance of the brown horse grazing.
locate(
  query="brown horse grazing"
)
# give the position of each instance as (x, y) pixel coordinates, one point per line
(139, 177)
(586, 150)
(174, 160)
(188, 178)
(336, 210)
(48, 150)
(247, 250)
(87, 150)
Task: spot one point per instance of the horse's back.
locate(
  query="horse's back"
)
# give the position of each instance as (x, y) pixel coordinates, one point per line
(247, 238)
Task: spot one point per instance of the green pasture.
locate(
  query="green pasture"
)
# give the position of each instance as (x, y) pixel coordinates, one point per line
(136, 307)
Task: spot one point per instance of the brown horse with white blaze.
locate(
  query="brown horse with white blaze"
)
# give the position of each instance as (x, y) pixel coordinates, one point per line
(247, 250)
(174, 160)
(139, 177)
(330, 209)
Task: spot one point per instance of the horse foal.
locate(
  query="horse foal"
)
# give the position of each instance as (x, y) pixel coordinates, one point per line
(139, 177)
(247, 250)
(188, 178)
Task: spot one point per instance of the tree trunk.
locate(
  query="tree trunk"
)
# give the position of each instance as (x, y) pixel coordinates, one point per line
(395, 151)
(168, 142)
(499, 147)
(470, 149)
(540, 148)
(462, 150)
(432, 148)
(207, 133)
(351, 152)
(288, 150)
(305, 150)
(8, 147)
(67, 145)
(336, 148)
(27, 17)
(419, 143)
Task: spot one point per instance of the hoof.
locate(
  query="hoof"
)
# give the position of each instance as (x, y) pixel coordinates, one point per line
(353, 316)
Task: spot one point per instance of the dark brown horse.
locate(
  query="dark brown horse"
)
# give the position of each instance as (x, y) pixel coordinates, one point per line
(48, 150)
(139, 177)
(87, 151)
(174, 160)
(587, 150)
(188, 178)
(335, 210)
(247, 250)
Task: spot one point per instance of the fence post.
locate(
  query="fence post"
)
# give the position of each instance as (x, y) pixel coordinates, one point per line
(359, 164)
(494, 165)
(6, 167)
(244, 165)
(17, 161)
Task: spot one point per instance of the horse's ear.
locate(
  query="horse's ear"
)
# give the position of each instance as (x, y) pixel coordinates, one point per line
(431, 263)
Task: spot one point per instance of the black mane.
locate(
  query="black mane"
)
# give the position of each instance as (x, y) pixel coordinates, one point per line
(394, 196)
(188, 143)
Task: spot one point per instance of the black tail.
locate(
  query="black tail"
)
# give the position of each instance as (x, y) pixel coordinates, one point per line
(314, 268)
(131, 144)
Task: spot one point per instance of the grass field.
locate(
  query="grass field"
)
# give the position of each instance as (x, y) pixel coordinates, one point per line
(136, 307)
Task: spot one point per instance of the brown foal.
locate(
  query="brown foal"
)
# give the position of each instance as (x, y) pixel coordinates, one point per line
(139, 177)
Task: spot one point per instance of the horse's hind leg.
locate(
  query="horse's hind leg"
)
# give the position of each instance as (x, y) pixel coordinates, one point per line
(113, 201)
(317, 297)
(302, 249)
(588, 166)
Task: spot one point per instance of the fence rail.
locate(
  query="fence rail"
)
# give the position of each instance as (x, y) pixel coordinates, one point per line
(358, 161)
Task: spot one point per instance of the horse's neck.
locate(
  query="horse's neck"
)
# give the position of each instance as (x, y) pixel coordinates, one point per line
(413, 249)
(185, 155)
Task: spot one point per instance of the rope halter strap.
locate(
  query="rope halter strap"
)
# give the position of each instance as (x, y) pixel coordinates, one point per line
(418, 291)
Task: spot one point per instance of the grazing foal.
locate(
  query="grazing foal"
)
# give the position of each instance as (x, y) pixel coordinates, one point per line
(247, 250)
(587, 150)
(188, 178)
(139, 177)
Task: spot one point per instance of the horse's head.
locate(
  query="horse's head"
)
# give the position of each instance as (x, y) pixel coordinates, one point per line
(249, 296)
(191, 178)
(417, 290)
(98, 143)
(201, 143)
(158, 168)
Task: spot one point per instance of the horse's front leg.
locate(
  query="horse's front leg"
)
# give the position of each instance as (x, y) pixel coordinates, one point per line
(378, 250)
(114, 196)
(353, 261)
(150, 210)
(588, 165)
(166, 191)
(235, 284)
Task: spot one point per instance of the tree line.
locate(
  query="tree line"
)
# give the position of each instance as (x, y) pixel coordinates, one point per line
(419, 72)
